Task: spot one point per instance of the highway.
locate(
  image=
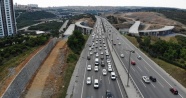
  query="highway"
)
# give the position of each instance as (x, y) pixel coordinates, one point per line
(82, 90)
(143, 67)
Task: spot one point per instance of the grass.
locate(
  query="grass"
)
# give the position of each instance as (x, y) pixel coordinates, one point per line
(176, 72)
(133, 40)
(67, 74)
(13, 62)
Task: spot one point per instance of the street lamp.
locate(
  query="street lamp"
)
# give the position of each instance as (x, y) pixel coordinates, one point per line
(130, 51)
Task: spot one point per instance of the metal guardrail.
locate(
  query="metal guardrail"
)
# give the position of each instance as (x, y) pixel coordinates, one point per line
(136, 87)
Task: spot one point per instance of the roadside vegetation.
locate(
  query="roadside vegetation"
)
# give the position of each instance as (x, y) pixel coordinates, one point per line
(52, 27)
(14, 49)
(75, 43)
(112, 19)
(170, 55)
(29, 18)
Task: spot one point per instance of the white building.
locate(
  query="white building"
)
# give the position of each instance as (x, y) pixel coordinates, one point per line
(7, 18)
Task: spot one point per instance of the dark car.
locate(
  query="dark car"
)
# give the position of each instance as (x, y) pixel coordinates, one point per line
(133, 62)
(88, 57)
(102, 63)
(153, 79)
(174, 91)
(108, 94)
(102, 57)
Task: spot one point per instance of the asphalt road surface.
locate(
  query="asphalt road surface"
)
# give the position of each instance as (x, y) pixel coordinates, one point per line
(82, 90)
(143, 67)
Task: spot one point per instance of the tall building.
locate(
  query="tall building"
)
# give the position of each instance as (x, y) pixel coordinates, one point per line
(7, 18)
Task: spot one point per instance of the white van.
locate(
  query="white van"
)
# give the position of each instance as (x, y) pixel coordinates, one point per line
(113, 75)
(96, 83)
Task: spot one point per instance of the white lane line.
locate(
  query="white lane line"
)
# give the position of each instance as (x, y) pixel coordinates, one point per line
(102, 96)
(158, 74)
(120, 89)
(139, 68)
(180, 95)
(153, 85)
(142, 83)
(83, 81)
(160, 84)
(133, 69)
(100, 78)
(146, 68)
(150, 66)
(109, 80)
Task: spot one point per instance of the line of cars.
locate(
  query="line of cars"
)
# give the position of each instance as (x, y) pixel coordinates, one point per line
(100, 50)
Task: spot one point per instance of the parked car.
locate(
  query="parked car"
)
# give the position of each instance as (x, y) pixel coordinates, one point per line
(174, 91)
(153, 79)
(146, 79)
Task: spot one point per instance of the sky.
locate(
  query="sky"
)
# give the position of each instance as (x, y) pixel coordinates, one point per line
(148, 3)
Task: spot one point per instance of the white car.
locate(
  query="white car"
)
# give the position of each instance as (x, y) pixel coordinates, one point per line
(146, 79)
(89, 81)
(113, 75)
(109, 68)
(96, 83)
(119, 43)
(109, 65)
(100, 48)
(122, 55)
(96, 68)
(90, 49)
(117, 38)
(89, 67)
(101, 53)
(104, 71)
(91, 53)
(139, 57)
(108, 61)
(97, 54)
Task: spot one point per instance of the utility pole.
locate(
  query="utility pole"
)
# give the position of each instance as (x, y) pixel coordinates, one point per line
(129, 66)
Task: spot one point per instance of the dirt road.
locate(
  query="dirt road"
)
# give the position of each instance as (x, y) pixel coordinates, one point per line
(36, 87)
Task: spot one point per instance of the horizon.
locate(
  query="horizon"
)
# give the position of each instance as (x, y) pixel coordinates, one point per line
(179, 4)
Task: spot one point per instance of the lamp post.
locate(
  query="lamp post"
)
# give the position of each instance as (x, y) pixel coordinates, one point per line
(130, 51)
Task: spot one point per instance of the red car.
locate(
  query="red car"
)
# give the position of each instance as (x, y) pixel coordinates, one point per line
(133, 62)
(174, 91)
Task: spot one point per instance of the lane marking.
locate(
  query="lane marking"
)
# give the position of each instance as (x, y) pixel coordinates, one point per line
(153, 85)
(83, 82)
(146, 68)
(133, 69)
(102, 96)
(100, 78)
(160, 84)
(148, 64)
(109, 80)
(180, 95)
(139, 68)
(120, 89)
(142, 83)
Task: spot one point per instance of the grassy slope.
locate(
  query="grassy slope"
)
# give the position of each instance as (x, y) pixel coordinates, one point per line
(176, 72)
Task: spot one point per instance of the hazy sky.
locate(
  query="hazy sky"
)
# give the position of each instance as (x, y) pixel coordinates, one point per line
(153, 3)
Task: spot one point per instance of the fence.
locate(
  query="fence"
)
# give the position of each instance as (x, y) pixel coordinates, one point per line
(20, 82)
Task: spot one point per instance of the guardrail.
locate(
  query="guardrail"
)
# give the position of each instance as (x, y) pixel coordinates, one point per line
(130, 77)
(117, 71)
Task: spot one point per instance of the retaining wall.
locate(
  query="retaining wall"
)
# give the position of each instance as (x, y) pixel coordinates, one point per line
(20, 82)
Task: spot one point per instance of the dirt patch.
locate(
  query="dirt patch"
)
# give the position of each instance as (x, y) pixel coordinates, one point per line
(35, 88)
(55, 79)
